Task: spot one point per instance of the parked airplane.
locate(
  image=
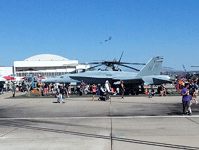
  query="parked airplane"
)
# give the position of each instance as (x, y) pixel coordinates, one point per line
(180, 73)
(148, 75)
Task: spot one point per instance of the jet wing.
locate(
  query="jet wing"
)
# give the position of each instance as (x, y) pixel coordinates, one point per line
(92, 80)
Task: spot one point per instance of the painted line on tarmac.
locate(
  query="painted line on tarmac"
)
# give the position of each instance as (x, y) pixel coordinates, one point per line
(111, 117)
(158, 144)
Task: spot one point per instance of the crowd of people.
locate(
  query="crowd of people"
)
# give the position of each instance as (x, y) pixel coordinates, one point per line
(43, 88)
(9, 86)
(161, 90)
(60, 90)
(104, 91)
(57, 89)
(187, 87)
(189, 92)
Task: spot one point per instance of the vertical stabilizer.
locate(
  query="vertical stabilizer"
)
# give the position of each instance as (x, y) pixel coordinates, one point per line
(153, 67)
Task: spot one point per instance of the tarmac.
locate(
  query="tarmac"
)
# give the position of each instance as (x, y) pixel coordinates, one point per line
(131, 123)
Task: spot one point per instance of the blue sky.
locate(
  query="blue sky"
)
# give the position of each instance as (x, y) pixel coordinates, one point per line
(75, 28)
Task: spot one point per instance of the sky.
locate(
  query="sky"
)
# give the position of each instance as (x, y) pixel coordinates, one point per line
(77, 29)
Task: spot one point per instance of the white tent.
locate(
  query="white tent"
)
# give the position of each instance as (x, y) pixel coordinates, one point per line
(2, 79)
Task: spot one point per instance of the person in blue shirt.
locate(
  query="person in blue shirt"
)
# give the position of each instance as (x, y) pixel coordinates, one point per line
(152, 93)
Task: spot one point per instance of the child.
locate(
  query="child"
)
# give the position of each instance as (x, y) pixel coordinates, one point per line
(151, 94)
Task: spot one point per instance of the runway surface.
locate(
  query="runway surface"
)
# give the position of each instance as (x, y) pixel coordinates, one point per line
(79, 123)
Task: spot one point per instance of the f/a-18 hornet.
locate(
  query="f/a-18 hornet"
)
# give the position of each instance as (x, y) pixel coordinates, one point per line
(148, 75)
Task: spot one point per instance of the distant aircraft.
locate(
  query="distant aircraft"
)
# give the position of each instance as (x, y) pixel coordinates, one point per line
(148, 75)
(178, 73)
(107, 40)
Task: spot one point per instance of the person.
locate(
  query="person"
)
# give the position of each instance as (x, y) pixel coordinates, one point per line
(107, 87)
(181, 83)
(98, 89)
(64, 87)
(52, 87)
(79, 90)
(1, 87)
(191, 91)
(45, 88)
(177, 86)
(20, 86)
(40, 87)
(5, 86)
(101, 92)
(13, 89)
(68, 90)
(60, 97)
(163, 91)
(151, 93)
(27, 86)
(186, 99)
(118, 90)
(49, 87)
(122, 89)
(10, 86)
(56, 85)
(94, 90)
(83, 86)
(196, 91)
(32, 86)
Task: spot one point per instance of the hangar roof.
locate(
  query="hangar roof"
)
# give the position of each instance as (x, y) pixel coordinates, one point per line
(46, 57)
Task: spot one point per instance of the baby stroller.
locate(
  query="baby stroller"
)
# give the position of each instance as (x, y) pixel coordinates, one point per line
(102, 96)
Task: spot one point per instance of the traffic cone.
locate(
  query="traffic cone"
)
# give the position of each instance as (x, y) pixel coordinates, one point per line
(146, 91)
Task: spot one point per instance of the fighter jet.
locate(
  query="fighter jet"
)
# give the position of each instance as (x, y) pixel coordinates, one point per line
(148, 75)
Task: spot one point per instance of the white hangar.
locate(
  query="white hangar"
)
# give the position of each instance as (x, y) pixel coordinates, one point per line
(46, 65)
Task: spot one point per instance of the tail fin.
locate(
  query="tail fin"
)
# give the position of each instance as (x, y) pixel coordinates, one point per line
(153, 67)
